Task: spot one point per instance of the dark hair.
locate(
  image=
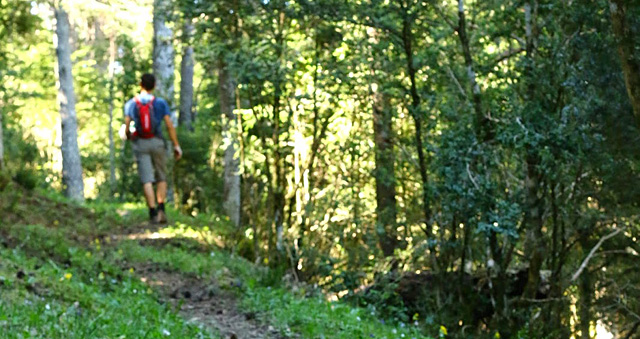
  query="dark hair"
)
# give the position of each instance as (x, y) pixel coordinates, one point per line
(148, 81)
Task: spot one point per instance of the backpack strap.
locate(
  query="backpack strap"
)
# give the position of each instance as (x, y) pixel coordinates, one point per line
(139, 103)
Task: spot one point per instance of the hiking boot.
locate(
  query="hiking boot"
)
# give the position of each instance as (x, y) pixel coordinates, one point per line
(153, 215)
(161, 218)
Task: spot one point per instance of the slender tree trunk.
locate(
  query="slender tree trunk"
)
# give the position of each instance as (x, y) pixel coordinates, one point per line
(112, 145)
(484, 133)
(629, 59)
(386, 210)
(232, 190)
(407, 36)
(384, 173)
(585, 288)
(71, 161)
(482, 123)
(279, 200)
(534, 241)
(1, 144)
(186, 80)
(163, 68)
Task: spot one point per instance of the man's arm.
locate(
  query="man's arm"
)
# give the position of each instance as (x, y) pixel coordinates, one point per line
(173, 136)
(125, 133)
(127, 122)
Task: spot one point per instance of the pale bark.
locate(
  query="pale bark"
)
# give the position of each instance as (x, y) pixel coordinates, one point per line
(186, 81)
(112, 146)
(163, 68)
(231, 195)
(163, 64)
(71, 161)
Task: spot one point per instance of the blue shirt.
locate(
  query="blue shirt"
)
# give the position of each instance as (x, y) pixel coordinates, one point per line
(160, 109)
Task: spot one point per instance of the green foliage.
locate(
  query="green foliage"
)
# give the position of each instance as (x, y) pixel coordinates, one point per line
(65, 277)
(27, 178)
(528, 142)
(316, 318)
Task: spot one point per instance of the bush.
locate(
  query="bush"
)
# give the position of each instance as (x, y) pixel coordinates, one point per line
(26, 178)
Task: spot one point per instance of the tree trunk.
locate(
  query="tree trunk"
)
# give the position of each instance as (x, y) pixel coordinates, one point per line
(186, 80)
(279, 195)
(386, 211)
(112, 146)
(407, 36)
(1, 144)
(231, 195)
(163, 68)
(163, 65)
(482, 123)
(384, 173)
(585, 288)
(534, 241)
(626, 50)
(71, 161)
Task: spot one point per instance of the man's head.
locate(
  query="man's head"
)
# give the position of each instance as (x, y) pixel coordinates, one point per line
(148, 82)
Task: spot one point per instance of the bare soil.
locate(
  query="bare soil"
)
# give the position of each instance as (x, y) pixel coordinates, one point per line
(200, 300)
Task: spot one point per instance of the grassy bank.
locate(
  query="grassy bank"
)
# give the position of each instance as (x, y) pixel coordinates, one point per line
(71, 271)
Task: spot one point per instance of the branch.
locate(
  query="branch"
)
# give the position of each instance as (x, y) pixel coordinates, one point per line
(586, 260)
(519, 40)
(633, 330)
(445, 17)
(455, 80)
(506, 55)
(473, 181)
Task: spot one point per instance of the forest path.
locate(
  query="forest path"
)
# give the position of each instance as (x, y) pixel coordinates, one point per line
(198, 299)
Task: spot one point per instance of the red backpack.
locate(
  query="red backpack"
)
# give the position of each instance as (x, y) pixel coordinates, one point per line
(145, 112)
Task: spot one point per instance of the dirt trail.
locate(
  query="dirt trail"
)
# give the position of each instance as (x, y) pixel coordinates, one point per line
(201, 301)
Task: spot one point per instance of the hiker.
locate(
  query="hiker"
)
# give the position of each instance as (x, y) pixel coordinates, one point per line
(148, 112)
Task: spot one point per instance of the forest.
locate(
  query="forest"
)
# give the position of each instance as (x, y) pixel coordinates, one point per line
(349, 169)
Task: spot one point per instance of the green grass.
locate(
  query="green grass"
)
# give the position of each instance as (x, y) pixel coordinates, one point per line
(61, 275)
(57, 281)
(289, 312)
(317, 318)
(42, 299)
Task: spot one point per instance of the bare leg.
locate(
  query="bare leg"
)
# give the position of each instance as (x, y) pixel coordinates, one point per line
(148, 195)
(161, 193)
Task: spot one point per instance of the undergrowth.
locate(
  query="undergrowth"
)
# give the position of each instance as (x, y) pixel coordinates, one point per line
(68, 271)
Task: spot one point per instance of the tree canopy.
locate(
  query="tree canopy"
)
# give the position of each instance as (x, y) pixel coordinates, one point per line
(470, 164)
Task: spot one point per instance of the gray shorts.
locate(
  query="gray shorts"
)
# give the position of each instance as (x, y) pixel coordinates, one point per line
(151, 156)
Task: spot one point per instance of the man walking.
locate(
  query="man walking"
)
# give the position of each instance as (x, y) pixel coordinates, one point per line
(147, 112)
